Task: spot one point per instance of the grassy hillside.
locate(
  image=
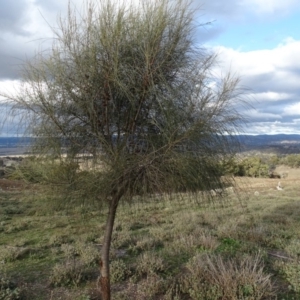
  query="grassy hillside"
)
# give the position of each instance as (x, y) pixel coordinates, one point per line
(246, 246)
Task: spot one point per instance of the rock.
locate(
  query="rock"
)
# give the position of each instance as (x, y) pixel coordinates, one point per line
(9, 163)
(279, 187)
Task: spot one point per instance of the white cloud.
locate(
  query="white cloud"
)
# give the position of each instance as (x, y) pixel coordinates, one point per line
(292, 110)
(273, 79)
(288, 54)
(276, 127)
(8, 87)
(271, 71)
(256, 114)
(270, 96)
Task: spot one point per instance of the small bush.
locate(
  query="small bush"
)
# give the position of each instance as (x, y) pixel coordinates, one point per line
(149, 263)
(10, 254)
(69, 273)
(293, 248)
(68, 250)
(8, 289)
(229, 245)
(149, 288)
(19, 225)
(88, 253)
(208, 242)
(118, 271)
(291, 160)
(213, 278)
(291, 272)
(41, 170)
(253, 167)
(58, 240)
(122, 239)
(173, 292)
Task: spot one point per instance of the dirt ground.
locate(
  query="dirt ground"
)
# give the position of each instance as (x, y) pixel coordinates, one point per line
(293, 173)
(7, 184)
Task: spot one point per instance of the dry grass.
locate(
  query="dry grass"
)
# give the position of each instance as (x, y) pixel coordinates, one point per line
(212, 277)
(246, 247)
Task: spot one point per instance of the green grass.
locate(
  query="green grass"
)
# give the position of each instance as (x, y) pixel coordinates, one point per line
(160, 249)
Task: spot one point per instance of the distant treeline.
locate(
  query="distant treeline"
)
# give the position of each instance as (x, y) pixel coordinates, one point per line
(255, 166)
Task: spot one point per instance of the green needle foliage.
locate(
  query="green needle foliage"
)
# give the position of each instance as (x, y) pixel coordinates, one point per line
(128, 85)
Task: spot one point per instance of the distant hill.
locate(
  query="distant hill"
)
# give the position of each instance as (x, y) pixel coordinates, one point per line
(14, 145)
(279, 143)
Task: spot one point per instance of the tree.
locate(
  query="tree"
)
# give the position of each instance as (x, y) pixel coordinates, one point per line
(127, 84)
(253, 167)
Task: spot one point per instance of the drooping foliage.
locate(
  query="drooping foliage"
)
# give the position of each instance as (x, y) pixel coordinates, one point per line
(127, 84)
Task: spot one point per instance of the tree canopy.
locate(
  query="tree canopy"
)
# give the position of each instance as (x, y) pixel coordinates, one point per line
(128, 85)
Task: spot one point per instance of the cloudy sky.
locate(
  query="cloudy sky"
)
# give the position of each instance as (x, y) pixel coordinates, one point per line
(257, 39)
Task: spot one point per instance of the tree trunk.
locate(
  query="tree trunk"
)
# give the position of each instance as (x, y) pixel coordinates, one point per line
(104, 280)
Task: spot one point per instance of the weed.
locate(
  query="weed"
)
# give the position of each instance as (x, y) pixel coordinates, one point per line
(58, 240)
(149, 288)
(213, 278)
(11, 254)
(147, 243)
(229, 245)
(150, 263)
(8, 289)
(291, 271)
(208, 242)
(173, 292)
(89, 254)
(123, 240)
(69, 273)
(293, 248)
(118, 271)
(69, 250)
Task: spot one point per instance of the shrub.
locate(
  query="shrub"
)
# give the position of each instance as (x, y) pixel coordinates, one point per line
(292, 160)
(149, 288)
(150, 263)
(58, 240)
(10, 254)
(8, 289)
(291, 272)
(41, 170)
(212, 278)
(253, 167)
(89, 254)
(119, 271)
(68, 273)
(68, 250)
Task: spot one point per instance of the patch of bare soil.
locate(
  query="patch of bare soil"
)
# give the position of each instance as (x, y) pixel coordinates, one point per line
(264, 184)
(11, 185)
(292, 173)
